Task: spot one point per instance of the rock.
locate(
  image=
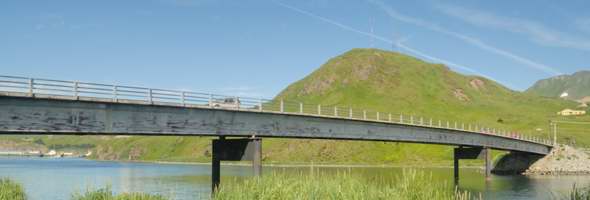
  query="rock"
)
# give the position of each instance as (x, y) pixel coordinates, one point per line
(477, 84)
(460, 95)
(562, 160)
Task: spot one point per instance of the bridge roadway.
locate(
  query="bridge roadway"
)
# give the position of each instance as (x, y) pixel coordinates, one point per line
(41, 106)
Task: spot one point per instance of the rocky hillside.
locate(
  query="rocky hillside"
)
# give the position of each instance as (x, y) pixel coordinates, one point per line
(576, 86)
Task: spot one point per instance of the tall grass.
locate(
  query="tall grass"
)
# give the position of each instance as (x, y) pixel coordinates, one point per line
(107, 194)
(410, 185)
(578, 193)
(9, 190)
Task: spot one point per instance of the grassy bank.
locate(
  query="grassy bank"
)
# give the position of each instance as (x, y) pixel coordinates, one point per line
(10, 190)
(409, 185)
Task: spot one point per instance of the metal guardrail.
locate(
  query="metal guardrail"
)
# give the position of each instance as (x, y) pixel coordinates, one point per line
(47, 88)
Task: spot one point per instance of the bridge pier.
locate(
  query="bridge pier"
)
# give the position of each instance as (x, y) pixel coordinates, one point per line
(488, 162)
(234, 150)
(472, 153)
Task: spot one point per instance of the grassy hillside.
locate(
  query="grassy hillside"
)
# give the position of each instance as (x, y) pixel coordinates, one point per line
(396, 83)
(576, 85)
(376, 80)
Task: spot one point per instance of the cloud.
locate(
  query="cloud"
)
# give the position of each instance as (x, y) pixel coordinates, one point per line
(398, 43)
(446, 62)
(470, 40)
(537, 32)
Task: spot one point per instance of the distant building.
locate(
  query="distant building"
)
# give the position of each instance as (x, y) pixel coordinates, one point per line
(570, 112)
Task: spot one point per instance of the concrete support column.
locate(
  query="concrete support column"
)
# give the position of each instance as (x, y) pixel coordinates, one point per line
(215, 172)
(257, 157)
(488, 162)
(215, 166)
(456, 167)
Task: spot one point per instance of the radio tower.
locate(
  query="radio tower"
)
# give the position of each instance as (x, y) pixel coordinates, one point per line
(372, 44)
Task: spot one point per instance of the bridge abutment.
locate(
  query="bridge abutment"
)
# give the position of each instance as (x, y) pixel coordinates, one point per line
(234, 150)
(515, 163)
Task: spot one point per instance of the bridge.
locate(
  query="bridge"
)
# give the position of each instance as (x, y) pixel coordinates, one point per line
(56, 107)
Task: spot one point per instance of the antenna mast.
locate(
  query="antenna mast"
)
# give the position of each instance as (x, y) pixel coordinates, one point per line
(372, 44)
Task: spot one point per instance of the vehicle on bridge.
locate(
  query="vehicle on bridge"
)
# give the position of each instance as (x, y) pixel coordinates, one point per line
(231, 103)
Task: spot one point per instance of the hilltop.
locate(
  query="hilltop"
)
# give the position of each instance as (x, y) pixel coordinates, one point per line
(577, 86)
(370, 79)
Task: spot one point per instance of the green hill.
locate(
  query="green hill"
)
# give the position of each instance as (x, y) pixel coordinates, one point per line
(576, 85)
(376, 80)
(396, 83)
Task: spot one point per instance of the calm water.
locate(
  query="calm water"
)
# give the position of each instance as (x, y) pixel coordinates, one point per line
(57, 179)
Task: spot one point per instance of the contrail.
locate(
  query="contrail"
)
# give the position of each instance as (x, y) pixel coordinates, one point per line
(345, 27)
(383, 39)
(473, 41)
(416, 52)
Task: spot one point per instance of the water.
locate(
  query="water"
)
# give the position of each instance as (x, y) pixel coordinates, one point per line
(57, 179)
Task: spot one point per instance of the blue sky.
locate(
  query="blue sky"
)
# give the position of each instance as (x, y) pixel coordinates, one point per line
(257, 47)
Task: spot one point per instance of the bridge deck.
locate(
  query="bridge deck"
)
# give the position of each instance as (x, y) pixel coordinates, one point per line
(91, 116)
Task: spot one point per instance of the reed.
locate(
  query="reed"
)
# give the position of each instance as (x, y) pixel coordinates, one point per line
(578, 193)
(107, 194)
(10, 190)
(343, 185)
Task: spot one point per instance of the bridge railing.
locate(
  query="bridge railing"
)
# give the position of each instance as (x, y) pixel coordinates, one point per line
(48, 88)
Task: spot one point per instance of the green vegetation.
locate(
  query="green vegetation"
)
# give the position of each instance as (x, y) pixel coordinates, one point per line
(107, 194)
(576, 85)
(578, 193)
(10, 190)
(375, 80)
(410, 185)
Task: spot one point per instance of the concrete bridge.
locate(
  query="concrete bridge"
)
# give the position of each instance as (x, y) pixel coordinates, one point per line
(54, 107)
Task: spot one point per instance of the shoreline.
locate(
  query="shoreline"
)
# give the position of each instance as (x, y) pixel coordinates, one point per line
(295, 165)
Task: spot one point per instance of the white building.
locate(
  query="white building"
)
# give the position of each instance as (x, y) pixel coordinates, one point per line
(570, 112)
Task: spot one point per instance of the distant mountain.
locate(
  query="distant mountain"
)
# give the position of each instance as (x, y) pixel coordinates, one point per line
(572, 87)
